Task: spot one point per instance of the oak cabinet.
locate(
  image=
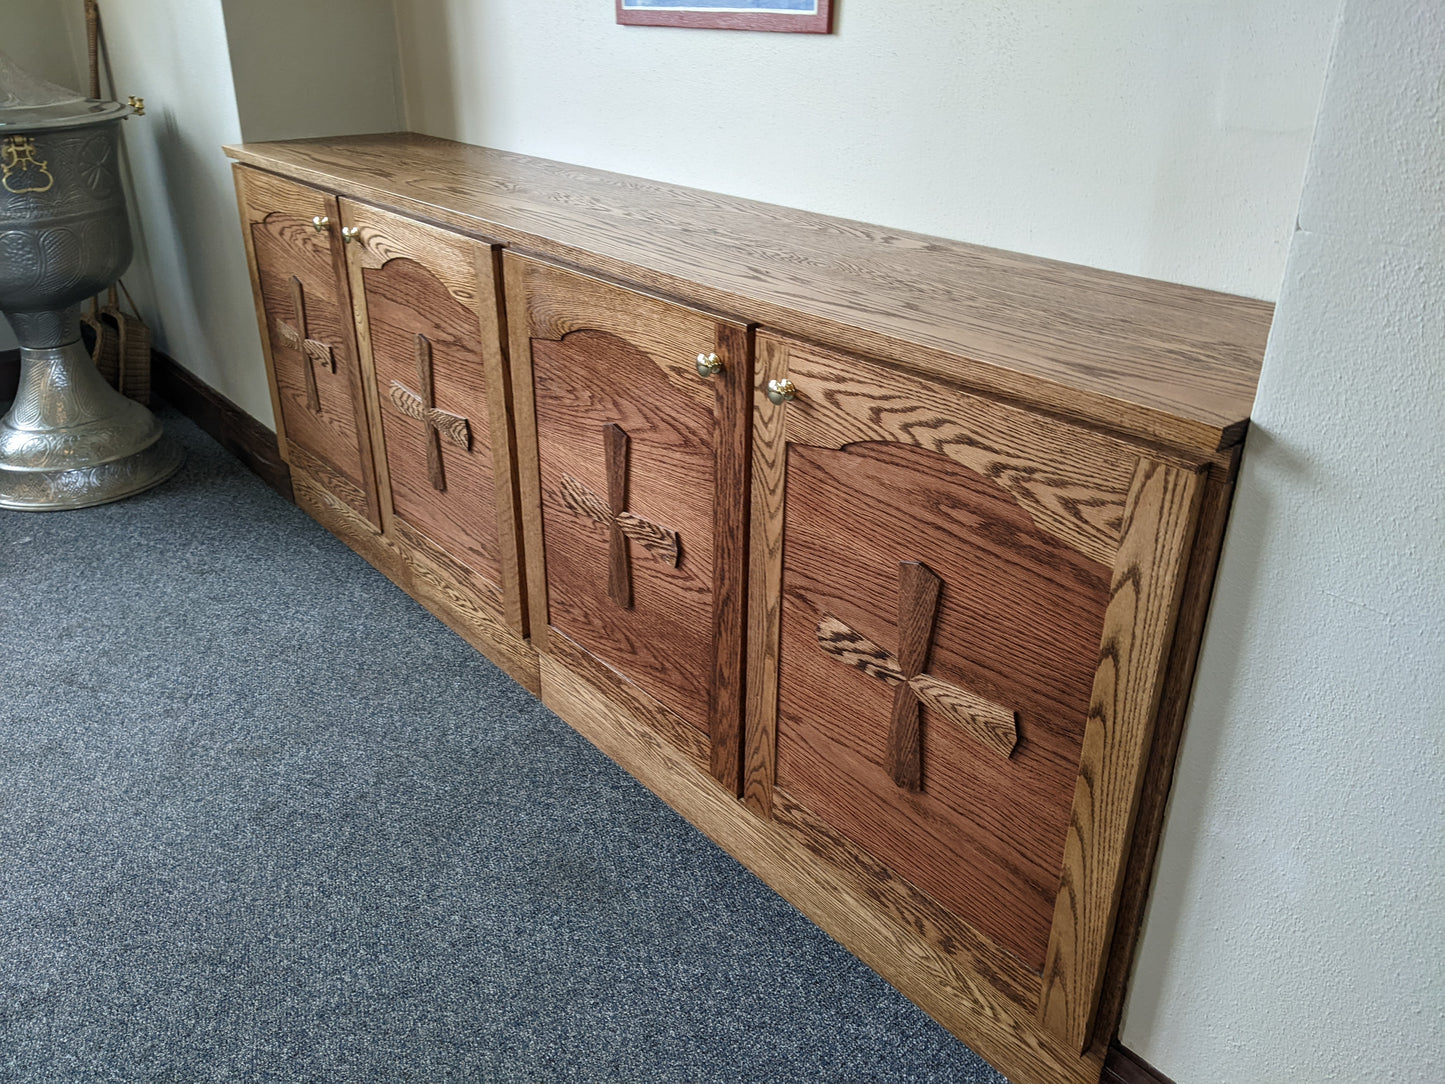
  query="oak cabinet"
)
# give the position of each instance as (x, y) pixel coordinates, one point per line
(299, 275)
(634, 464)
(961, 615)
(428, 319)
(884, 559)
(393, 400)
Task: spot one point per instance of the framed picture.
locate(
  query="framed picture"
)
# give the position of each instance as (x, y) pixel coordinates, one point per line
(797, 16)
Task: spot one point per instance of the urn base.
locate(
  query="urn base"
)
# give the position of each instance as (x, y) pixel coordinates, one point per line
(70, 440)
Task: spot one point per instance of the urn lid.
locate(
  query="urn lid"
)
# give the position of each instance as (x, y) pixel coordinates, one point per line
(28, 103)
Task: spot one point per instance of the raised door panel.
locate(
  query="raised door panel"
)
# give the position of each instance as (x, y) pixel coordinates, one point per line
(428, 318)
(299, 273)
(959, 617)
(635, 472)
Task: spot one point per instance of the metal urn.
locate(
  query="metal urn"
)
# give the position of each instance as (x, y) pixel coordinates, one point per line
(70, 440)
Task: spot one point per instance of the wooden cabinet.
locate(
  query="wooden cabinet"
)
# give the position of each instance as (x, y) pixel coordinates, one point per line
(299, 273)
(635, 470)
(961, 619)
(884, 559)
(393, 399)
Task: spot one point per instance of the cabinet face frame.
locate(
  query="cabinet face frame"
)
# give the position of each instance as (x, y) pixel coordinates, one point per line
(1157, 498)
(259, 196)
(729, 393)
(468, 270)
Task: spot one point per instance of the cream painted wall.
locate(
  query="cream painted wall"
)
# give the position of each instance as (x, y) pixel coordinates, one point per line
(34, 34)
(1159, 137)
(1297, 927)
(333, 71)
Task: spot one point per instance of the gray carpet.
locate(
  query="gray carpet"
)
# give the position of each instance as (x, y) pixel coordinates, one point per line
(262, 818)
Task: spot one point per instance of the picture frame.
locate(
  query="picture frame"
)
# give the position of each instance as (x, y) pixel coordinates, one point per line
(785, 16)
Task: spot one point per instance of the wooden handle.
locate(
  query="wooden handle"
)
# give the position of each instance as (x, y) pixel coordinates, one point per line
(92, 43)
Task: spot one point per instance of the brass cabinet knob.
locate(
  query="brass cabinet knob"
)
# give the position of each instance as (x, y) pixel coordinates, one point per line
(708, 365)
(782, 391)
(321, 223)
(350, 233)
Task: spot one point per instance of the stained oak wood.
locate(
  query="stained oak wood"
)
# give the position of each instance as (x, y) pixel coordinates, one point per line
(1164, 748)
(1019, 620)
(918, 590)
(427, 323)
(615, 446)
(617, 408)
(732, 439)
(992, 724)
(239, 174)
(1144, 595)
(305, 307)
(965, 678)
(1170, 363)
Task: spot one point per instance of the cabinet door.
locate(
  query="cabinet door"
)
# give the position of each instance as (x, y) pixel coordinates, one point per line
(634, 481)
(428, 322)
(299, 273)
(960, 613)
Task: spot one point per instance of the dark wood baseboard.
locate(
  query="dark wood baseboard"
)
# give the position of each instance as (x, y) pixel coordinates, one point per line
(230, 426)
(9, 374)
(1123, 1066)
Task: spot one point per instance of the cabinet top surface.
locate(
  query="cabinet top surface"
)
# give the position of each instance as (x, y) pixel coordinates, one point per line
(1156, 360)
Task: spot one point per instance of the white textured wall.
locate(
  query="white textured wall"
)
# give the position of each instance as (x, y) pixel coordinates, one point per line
(34, 34)
(313, 67)
(1297, 927)
(1158, 137)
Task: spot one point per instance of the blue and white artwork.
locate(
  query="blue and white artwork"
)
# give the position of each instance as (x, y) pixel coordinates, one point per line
(789, 7)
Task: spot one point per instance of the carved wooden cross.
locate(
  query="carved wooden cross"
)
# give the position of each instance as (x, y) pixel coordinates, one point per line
(622, 525)
(990, 723)
(313, 352)
(421, 406)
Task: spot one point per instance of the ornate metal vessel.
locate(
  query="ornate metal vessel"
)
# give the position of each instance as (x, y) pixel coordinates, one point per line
(70, 440)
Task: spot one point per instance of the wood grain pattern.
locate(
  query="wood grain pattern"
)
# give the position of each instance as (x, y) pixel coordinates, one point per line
(918, 590)
(765, 576)
(295, 338)
(427, 326)
(301, 275)
(892, 927)
(487, 262)
(1019, 622)
(1144, 594)
(1163, 749)
(615, 446)
(601, 356)
(732, 440)
(239, 175)
(1164, 362)
(1072, 482)
(660, 542)
(529, 471)
(991, 724)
